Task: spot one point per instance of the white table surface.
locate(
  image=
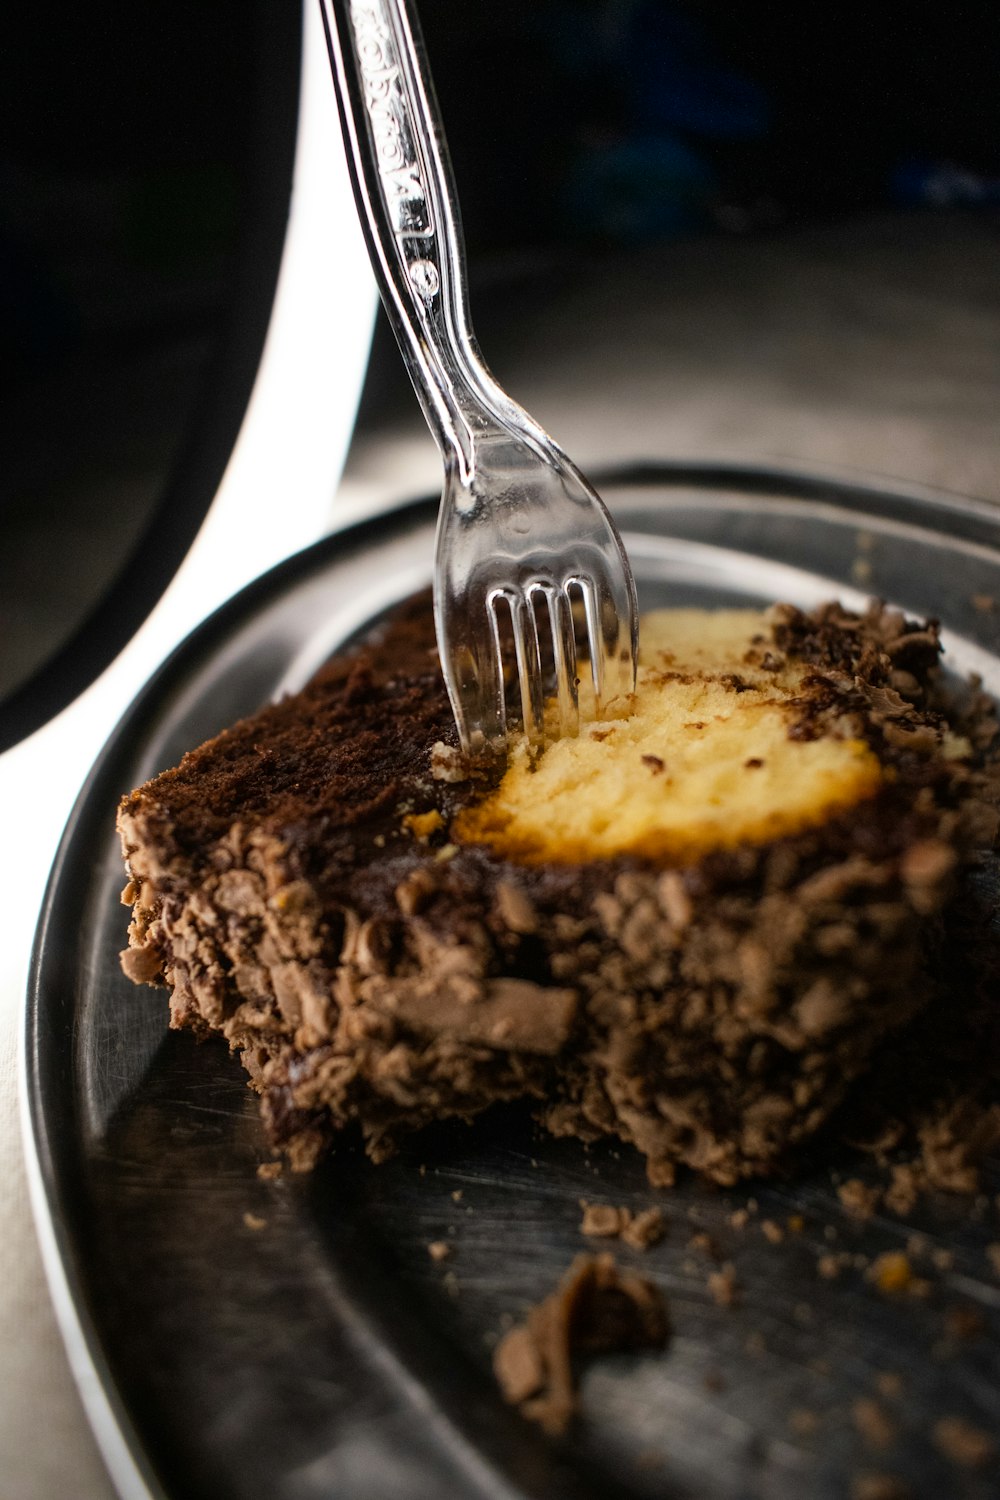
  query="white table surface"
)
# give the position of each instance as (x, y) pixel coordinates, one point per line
(292, 445)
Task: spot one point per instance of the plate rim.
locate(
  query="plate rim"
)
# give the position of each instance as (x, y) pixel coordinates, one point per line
(106, 1408)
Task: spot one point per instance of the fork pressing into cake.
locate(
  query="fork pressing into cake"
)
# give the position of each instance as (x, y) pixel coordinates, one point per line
(528, 559)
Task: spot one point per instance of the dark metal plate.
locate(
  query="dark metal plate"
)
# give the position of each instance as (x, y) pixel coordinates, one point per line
(322, 1352)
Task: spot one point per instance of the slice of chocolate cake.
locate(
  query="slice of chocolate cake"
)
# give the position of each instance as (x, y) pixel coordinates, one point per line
(689, 928)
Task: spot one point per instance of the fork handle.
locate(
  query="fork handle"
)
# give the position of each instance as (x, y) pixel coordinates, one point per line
(406, 198)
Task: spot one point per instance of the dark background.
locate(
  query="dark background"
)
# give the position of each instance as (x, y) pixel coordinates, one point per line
(145, 159)
(607, 122)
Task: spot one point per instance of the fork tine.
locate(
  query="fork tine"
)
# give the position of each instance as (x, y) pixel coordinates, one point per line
(472, 666)
(491, 701)
(560, 610)
(594, 639)
(529, 663)
(619, 636)
(609, 640)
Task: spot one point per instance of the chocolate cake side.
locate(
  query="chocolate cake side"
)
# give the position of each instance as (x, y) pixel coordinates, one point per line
(295, 883)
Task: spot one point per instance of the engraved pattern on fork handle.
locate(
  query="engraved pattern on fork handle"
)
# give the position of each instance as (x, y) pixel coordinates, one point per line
(387, 106)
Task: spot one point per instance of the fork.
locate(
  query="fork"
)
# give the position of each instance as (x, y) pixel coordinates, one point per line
(521, 533)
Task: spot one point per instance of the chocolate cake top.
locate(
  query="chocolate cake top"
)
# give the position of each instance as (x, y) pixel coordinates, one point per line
(346, 772)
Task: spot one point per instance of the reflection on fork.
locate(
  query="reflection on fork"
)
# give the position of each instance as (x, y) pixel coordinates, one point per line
(520, 528)
(532, 584)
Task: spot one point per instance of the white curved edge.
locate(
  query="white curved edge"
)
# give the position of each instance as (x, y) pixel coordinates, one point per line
(276, 497)
(117, 1444)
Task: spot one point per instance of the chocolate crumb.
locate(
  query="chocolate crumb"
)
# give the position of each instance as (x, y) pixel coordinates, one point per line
(963, 1321)
(962, 1443)
(518, 1366)
(516, 909)
(859, 1200)
(270, 1171)
(723, 1287)
(803, 1421)
(644, 1229)
(871, 1486)
(254, 1221)
(828, 1266)
(904, 1189)
(438, 1249)
(595, 1309)
(771, 1231)
(891, 1272)
(601, 1221)
(873, 1423)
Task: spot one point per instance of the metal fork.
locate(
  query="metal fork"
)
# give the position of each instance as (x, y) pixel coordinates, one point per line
(520, 530)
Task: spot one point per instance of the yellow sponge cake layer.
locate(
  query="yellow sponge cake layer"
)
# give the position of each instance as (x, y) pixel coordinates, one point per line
(712, 756)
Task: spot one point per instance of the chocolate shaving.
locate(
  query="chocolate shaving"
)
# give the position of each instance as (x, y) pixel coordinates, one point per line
(596, 1309)
(637, 1230)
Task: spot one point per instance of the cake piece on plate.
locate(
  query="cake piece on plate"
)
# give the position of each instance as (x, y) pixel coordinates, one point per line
(690, 927)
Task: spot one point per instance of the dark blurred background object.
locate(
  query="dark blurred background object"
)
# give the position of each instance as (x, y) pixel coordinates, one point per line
(617, 121)
(145, 167)
(673, 151)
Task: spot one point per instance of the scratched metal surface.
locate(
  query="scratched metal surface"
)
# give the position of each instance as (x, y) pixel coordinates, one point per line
(323, 1353)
